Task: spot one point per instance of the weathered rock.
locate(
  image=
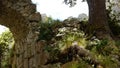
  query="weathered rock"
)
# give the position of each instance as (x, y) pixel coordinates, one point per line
(35, 17)
(22, 19)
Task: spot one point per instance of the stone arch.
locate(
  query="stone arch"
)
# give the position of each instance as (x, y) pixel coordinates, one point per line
(21, 18)
(18, 16)
(11, 20)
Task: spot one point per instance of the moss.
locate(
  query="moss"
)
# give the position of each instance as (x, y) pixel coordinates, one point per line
(117, 43)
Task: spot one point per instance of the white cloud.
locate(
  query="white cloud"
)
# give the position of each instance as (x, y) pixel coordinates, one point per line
(58, 10)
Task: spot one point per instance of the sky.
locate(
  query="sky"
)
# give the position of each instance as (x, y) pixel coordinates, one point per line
(2, 29)
(57, 9)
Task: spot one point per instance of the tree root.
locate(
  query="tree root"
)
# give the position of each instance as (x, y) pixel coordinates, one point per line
(75, 52)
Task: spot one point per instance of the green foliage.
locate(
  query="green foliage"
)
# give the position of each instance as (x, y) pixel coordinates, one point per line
(117, 43)
(102, 44)
(71, 37)
(47, 29)
(106, 54)
(6, 43)
(77, 64)
(113, 19)
(102, 47)
(72, 64)
(108, 61)
(6, 40)
(72, 3)
(61, 36)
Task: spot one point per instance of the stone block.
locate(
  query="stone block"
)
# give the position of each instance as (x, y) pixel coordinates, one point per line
(19, 62)
(25, 63)
(32, 63)
(36, 17)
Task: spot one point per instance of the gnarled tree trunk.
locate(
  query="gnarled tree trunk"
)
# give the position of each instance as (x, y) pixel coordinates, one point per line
(98, 20)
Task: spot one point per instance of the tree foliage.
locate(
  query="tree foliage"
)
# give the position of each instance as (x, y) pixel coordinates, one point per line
(113, 19)
(6, 43)
(71, 3)
(47, 27)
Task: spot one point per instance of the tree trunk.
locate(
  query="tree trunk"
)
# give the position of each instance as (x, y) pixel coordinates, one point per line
(98, 24)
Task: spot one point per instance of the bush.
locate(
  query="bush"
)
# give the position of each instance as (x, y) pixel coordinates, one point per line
(6, 43)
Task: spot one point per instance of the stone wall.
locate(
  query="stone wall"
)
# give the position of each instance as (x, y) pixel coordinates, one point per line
(22, 19)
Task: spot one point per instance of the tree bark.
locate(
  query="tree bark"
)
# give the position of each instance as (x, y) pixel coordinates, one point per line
(98, 24)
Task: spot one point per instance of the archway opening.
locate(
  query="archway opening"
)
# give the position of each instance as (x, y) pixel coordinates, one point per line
(6, 46)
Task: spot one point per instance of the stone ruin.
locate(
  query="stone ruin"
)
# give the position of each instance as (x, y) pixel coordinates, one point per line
(21, 17)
